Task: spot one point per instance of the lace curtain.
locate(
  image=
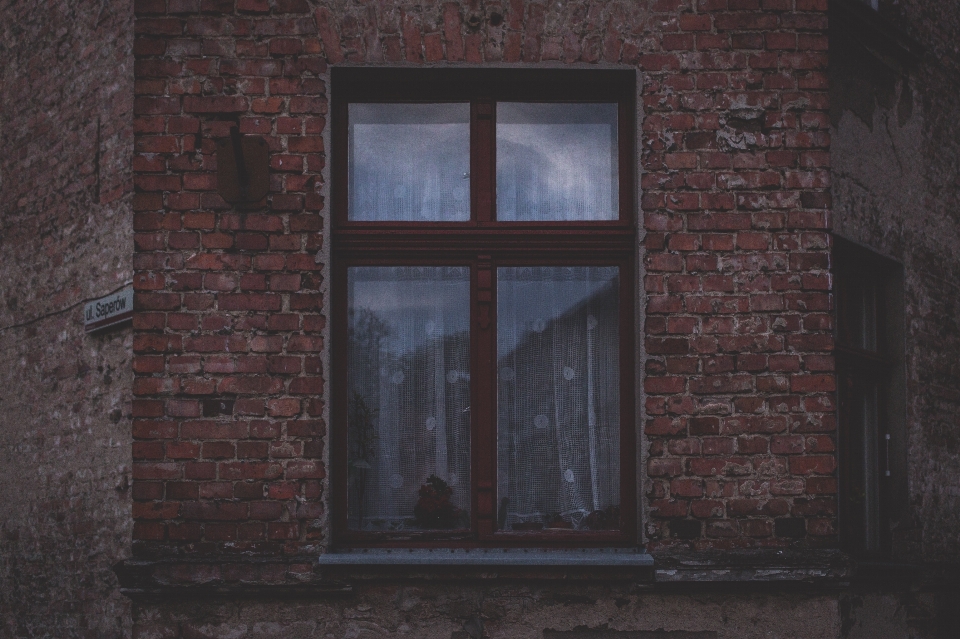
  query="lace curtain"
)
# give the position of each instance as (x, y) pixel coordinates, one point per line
(409, 381)
(556, 162)
(558, 407)
(409, 162)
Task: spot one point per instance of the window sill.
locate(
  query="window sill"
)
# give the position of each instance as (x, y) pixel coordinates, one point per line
(488, 557)
(336, 573)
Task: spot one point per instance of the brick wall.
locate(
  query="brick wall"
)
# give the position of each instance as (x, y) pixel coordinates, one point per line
(739, 379)
(229, 345)
(228, 302)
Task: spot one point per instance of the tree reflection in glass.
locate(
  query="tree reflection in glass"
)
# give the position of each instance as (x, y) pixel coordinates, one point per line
(409, 375)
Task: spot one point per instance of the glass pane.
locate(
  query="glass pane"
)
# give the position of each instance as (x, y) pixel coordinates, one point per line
(556, 162)
(857, 300)
(859, 402)
(871, 469)
(558, 399)
(409, 397)
(409, 162)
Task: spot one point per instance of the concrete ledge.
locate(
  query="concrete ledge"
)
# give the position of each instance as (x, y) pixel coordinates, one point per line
(753, 566)
(337, 572)
(602, 633)
(224, 576)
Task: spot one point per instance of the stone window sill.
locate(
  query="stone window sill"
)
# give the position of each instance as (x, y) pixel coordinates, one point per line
(488, 558)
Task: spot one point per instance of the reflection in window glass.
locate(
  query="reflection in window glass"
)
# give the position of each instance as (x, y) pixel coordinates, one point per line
(858, 316)
(558, 400)
(859, 403)
(556, 162)
(409, 397)
(409, 162)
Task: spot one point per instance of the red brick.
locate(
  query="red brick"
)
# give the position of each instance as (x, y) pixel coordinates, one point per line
(668, 508)
(305, 470)
(156, 471)
(214, 511)
(143, 530)
(214, 104)
(813, 464)
(283, 530)
(756, 527)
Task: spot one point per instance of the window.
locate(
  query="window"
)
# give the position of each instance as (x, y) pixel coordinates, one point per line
(870, 393)
(483, 305)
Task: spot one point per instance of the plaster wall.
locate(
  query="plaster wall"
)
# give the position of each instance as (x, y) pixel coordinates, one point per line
(65, 236)
(895, 156)
(508, 611)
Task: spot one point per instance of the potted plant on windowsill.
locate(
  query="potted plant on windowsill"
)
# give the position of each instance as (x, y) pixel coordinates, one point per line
(434, 508)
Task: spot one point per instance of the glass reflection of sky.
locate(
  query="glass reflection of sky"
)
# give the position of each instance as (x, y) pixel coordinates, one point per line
(418, 303)
(560, 289)
(556, 162)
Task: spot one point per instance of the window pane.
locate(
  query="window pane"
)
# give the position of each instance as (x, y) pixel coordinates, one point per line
(558, 399)
(857, 300)
(409, 162)
(556, 162)
(409, 397)
(859, 402)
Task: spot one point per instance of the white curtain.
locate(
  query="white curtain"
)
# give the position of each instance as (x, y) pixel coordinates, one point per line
(558, 420)
(409, 366)
(557, 162)
(409, 162)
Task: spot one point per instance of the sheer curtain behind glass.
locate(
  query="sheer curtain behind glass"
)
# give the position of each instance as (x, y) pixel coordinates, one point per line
(409, 385)
(558, 401)
(556, 162)
(409, 162)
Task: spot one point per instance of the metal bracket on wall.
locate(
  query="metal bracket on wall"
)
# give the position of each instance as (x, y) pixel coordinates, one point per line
(243, 175)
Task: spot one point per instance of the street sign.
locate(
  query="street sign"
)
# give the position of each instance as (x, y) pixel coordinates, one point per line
(107, 311)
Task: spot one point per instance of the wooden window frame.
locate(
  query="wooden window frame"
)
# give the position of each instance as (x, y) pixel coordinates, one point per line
(484, 244)
(854, 264)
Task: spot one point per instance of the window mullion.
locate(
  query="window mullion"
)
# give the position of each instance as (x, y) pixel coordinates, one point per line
(482, 159)
(483, 412)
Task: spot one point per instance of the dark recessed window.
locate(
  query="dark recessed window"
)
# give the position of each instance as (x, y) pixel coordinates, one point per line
(483, 310)
(870, 392)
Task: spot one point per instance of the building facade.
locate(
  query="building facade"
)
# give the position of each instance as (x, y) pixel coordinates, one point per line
(688, 369)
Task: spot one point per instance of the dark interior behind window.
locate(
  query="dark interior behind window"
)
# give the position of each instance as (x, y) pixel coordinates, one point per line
(869, 348)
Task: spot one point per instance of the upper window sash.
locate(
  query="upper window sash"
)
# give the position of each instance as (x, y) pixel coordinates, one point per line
(467, 148)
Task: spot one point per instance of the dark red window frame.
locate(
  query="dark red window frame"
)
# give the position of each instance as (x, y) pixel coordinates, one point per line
(484, 244)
